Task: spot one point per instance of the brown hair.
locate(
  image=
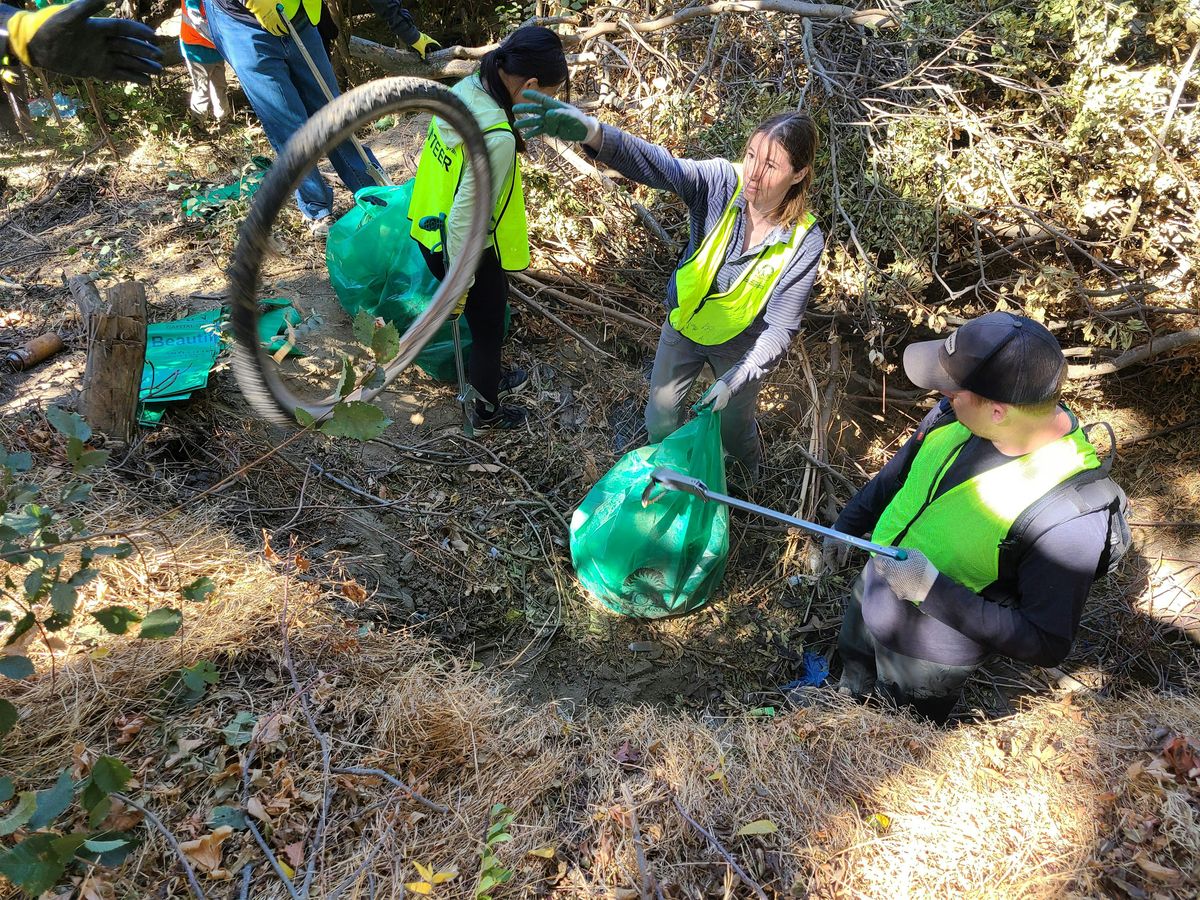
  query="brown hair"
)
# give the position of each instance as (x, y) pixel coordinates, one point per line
(797, 135)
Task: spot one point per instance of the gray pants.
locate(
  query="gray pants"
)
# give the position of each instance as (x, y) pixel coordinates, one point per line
(677, 363)
(930, 688)
(209, 93)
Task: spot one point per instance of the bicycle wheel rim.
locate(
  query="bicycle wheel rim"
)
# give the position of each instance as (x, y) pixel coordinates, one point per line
(257, 373)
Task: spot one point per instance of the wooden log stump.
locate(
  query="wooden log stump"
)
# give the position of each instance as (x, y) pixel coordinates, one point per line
(116, 354)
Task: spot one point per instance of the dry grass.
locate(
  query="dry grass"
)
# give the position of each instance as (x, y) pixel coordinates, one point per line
(866, 802)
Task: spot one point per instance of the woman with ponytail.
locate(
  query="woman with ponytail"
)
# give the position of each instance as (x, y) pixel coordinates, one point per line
(530, 58)
(736, 298)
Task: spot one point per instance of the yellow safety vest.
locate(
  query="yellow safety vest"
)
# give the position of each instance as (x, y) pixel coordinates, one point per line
(439, 174)
(961, 530)
(311, 7)
(712, 319)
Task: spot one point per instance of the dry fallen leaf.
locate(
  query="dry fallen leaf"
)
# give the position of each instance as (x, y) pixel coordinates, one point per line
(295, 853)
(129, 727)
(489, 468)
(543, 852)
(268, 728)
(1158, 872)
(205, 852)
(354, 591)
(255, 808)
(759, 826)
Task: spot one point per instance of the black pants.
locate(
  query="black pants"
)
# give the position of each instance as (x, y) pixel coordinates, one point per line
(486, 302)
(930, 688)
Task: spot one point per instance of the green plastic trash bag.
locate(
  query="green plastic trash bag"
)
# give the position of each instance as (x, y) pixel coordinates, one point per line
(375, 265)
(666, 558)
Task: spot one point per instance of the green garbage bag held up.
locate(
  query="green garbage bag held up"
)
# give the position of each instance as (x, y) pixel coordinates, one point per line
(374, 265)
(664, 559)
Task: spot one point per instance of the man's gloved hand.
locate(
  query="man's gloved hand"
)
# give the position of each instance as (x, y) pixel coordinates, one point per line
(424, 44)
(554, 118)
(716, 396)
(268, 16)
(66, 40)
(834, 555)
(910, 579)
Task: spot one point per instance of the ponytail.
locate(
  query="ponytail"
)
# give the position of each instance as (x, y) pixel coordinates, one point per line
(529, 52)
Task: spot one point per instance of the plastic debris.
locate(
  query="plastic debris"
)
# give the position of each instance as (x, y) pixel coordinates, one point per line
(39, 108)
(207, 202)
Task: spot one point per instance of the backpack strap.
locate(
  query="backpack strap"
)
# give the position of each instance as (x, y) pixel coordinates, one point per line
(1086, 492)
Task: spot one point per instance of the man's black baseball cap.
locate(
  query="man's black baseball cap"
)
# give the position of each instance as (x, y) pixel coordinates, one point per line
(1000, 356)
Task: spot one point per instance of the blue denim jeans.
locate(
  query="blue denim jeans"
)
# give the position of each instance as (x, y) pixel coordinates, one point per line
(284, 93)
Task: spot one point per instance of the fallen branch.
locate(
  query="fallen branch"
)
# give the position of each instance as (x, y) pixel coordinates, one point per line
(163, 830)
(393, 780)
(440, 65)
(716, 845)
(525, 298)
(591, 171)
(639, 850)
(1138, 354)
(645, 324)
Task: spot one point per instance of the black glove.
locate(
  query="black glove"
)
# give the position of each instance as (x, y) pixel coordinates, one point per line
(66, 40)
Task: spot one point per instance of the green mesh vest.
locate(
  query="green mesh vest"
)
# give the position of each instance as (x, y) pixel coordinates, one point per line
(961, 531)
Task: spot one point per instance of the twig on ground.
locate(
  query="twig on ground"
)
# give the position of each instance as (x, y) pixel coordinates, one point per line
(391, 779)
(525, 298)
(162, 829)
(1137, 354)
(639, 850)
(716, 845)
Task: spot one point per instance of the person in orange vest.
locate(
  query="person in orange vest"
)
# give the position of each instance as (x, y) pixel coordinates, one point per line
(204, 62)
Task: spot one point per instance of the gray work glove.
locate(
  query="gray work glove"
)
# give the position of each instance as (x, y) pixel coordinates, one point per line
(910, 579)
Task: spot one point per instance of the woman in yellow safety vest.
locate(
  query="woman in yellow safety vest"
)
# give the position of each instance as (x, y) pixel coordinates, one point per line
(529, 58)
(738, 294)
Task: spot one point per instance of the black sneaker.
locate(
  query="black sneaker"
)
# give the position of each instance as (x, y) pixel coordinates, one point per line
(513, 382)
(506, 418)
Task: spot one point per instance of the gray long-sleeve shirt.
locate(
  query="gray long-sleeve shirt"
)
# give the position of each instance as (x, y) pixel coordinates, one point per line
(706, 186)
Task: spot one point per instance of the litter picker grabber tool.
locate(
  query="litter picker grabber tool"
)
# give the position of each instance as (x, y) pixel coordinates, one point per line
(377, 173)
(671, 480)
(467, 395)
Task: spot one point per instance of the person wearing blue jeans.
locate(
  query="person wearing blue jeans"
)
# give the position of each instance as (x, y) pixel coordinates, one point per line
(255, 40)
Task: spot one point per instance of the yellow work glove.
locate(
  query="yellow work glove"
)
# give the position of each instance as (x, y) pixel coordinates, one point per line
(459, 307)
(268, 16)
(424, 44)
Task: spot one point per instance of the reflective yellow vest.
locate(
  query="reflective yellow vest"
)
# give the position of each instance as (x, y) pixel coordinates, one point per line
(712, 319)
(311, 7)
(439, 174)
(961, 531)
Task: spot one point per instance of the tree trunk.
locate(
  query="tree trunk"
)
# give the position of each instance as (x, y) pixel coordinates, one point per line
(116, 354)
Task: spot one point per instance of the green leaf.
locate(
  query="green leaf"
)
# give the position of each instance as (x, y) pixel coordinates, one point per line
(20, 814)
(199, 676)
(759, 826)
(304, 417)
(52, 802)
(228, 815)
(36, 863)
(346, 382)
(6, 789)
(161, 623)
(76, 493)
(110, 774)
(357, 420)
(16, 667)
(199, 589)
(117, 551)
(97, 803)
(386, 343)
(8, 716)
(68, 423)
(104, 846)
(34, 582)
(62, 598)
(23, 625)
(116, 619)
(237, 733)
(364, 327)
(16, 462)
